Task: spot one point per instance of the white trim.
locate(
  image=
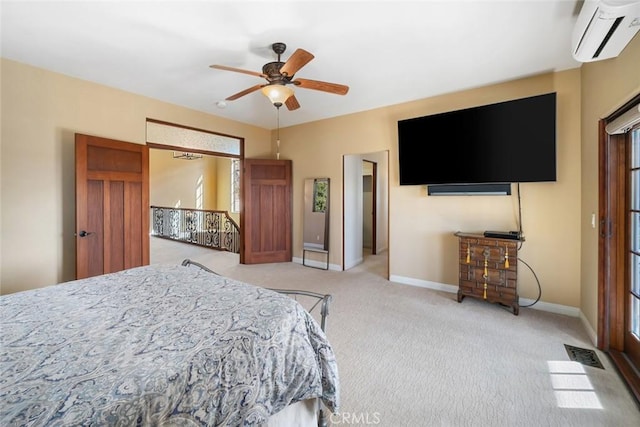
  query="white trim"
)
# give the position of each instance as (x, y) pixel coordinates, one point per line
(589, 330)
(354, 263)
(540, 305)
(424, 284)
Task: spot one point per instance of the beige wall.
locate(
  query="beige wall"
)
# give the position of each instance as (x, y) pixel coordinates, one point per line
(561, 245)
(606, 86)
(422, 247)
(41, 112)
(173, 182)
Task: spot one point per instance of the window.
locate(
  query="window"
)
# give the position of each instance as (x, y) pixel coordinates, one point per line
(200, 193)
(235, 186)
(634, 219)
(161, 133)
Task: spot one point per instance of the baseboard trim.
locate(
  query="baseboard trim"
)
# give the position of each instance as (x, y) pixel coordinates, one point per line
(453, 289)
(593, 336)
(540, 305)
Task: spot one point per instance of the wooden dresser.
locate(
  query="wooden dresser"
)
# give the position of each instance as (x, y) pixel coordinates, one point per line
(488, 269)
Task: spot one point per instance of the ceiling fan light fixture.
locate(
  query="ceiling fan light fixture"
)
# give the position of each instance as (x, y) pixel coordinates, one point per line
(277, 93)
(279, 74)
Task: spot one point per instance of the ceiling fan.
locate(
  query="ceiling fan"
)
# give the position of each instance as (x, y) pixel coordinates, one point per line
(280, 74)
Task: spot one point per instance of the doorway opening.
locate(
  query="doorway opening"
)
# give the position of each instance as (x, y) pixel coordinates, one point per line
(193, 174)
(369, 202)
(366, 211)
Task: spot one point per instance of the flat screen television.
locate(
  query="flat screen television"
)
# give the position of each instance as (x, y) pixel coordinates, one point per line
(511, 141)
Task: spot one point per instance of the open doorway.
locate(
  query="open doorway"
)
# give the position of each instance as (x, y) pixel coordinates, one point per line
(194, 193)
(369, 202)
(369, 171)
(191, 184)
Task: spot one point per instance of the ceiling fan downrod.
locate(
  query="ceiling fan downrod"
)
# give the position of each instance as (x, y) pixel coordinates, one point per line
(279, 48)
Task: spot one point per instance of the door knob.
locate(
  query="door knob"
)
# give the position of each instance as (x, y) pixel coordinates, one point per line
(84, 233)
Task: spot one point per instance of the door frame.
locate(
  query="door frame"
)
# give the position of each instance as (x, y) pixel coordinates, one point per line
(240, 157)
(352, 206)
(613, 258)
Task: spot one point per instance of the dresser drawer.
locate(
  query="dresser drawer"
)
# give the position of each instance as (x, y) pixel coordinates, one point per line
(476, 251)
(494, 292)
(488, 269)
(507, 278)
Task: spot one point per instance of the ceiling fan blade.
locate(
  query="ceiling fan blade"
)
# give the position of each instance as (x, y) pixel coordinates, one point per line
(299, 59)
(323, 86)
(245, 92)
(238, 70)
(292, 103)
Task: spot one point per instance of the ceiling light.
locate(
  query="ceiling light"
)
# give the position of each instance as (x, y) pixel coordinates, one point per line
(277, 93)
(183, 155)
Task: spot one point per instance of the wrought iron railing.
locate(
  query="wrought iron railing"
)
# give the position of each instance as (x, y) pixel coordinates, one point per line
(213, 229)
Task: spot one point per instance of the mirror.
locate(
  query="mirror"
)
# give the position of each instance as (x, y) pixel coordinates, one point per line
(315, 236)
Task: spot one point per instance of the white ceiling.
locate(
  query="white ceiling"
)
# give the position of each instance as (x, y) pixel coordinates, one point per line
(387, 52)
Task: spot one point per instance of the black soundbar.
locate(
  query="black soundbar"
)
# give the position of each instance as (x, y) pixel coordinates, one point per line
(513, 235)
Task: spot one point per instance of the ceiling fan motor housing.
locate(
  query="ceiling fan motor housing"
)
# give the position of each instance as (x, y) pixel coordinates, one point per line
(272, 71)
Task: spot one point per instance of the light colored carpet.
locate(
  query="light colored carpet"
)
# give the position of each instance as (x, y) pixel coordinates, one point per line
(409, 356)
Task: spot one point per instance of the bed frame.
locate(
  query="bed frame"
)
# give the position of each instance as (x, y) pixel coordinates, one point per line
(322, 300)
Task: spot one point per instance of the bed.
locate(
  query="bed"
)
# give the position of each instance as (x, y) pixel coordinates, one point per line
(163, 345)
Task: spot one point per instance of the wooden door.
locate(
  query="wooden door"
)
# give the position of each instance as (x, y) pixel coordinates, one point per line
(266, 223)
(619, 253)
(112, 202)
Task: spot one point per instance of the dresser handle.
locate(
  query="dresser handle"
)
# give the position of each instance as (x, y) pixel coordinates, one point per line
(486, 272)
(485, 276)
(506, 257)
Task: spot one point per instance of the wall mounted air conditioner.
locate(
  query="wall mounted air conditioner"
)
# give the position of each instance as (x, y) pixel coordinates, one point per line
(604, 28)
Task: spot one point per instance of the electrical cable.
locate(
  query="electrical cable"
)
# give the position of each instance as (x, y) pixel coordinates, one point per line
(519, 211)
(520, 246)
(538, 281)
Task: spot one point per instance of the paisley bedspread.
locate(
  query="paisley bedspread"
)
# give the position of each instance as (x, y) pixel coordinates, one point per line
(158, 345)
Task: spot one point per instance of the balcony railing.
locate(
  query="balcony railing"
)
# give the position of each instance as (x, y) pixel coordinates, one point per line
(212, 229)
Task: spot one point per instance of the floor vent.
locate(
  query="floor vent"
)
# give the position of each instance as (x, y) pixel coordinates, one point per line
(583, 355)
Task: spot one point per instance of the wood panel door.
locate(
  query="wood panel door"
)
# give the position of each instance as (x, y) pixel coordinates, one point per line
(619, 252)
(266, 223)
(112, 203)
